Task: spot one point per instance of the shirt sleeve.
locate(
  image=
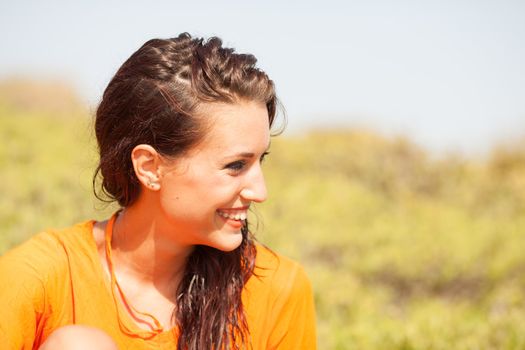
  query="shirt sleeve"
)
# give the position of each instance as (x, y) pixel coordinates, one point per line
(23, 295)
(296, 323)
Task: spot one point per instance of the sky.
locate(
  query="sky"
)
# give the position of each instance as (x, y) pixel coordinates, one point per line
(448, 74)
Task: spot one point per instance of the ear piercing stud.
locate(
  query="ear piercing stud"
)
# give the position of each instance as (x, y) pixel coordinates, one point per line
(152, 184)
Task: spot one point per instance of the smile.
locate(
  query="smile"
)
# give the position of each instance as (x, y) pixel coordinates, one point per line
(239, 215)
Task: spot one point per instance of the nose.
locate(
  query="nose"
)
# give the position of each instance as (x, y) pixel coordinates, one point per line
(254, 188)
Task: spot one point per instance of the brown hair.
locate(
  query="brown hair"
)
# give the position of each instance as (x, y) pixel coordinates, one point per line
(153, 99)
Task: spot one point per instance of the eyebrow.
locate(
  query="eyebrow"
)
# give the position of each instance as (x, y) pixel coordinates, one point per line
(248, 154)
(243, 155)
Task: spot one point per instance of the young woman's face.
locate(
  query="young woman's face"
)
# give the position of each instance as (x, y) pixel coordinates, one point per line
(205, 194)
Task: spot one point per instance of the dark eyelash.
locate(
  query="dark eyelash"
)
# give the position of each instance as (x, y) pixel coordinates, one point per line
(263, 156)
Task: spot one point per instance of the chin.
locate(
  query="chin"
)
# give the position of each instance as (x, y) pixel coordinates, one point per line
(227, 241)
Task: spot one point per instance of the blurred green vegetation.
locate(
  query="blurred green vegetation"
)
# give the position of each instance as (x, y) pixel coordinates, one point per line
(405, 250)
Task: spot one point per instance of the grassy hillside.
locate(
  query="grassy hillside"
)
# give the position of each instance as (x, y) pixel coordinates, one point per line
(404, 251)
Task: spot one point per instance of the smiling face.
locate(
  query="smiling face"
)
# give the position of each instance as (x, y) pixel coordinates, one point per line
(204, 195)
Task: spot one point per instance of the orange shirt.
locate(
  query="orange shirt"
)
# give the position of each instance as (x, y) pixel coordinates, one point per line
(56, 279)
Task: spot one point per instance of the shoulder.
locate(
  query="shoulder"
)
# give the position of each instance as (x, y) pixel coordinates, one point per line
(42, 263)
(277, 267)
(44, 254)
(279, 303)
(33, 279)
(277, 277)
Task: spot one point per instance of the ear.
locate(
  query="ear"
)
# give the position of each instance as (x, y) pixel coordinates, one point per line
(146, 163)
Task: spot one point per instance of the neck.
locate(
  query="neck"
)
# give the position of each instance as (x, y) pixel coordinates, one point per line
(143, 251)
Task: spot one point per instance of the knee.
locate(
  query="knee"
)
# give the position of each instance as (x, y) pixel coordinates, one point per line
(78, 338)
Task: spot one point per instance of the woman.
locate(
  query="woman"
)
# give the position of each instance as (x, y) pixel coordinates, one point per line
(182, 130)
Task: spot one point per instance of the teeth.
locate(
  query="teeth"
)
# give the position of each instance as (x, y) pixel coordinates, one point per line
(238, 216)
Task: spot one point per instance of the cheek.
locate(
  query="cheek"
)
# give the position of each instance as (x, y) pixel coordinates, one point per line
(221, 191)
(200, 192)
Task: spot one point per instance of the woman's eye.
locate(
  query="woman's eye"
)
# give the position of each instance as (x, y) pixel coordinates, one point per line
(236, 166)
(239, 165)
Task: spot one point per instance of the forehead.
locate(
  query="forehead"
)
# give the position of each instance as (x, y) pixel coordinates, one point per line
(241, 126)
